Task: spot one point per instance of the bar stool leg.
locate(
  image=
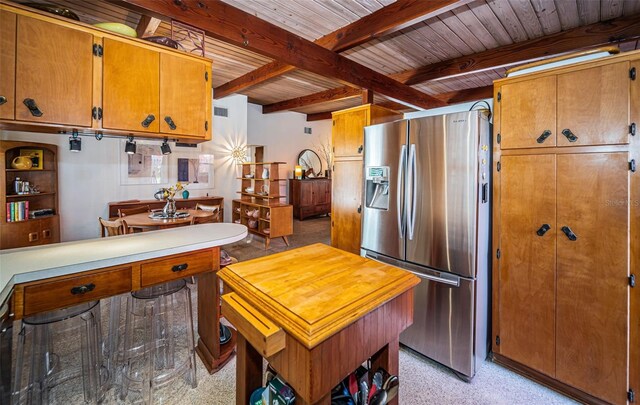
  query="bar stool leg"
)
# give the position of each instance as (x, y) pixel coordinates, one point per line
(170, 348)
(17, 380)
(150, 349)
(190, 338)
(128, 335)
(113, 340)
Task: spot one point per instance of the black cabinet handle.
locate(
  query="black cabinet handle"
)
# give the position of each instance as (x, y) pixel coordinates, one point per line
(543, 229)
(543, 136)
(179, 267)
(147, 121)
(569, 135)
(83, 289)
(169, 121)
(33, 107)
(567, 231)
(3, 100)
(360, 148)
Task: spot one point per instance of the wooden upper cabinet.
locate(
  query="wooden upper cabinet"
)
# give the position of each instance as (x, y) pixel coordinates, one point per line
(528, 111)
(592, 274)
(54, 67)
(593, 106)
(347, 198)
(184, 88)
(348, 132)
(527, 265)
(7, 64)
(130, 91)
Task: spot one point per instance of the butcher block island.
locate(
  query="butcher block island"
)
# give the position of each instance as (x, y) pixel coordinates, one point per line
(315, 313)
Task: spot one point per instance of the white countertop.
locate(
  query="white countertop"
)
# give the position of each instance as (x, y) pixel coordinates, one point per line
(39, 262)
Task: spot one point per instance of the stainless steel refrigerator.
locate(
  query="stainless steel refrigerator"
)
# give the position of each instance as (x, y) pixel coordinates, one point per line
(427, 191)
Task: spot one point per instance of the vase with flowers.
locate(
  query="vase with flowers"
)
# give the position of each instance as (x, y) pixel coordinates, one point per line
(169, 194)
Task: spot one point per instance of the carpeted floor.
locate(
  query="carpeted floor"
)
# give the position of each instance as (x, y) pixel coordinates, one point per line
(421, 381)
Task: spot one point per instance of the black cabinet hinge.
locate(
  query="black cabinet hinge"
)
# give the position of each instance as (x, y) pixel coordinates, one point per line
(632, 129)
(631, 396)
(96, 113)
(206, 125)
(498, 253)
(632, 165)
(632, 280)
(206, 76)
(499, 166)
(499, 96)
(497, 340)
(632, 73)
(498, 138)
(359, 208)
(97, 50)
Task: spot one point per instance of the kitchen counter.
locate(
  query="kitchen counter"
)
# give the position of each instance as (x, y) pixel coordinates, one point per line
(299, 309)
(41, 262)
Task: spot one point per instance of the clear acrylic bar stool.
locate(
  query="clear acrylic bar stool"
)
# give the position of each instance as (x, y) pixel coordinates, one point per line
(47, 348)
(158, 330)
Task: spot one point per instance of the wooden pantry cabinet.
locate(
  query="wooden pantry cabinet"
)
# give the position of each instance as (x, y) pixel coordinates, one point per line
(70, 76)
(566, 236)
(348, 146)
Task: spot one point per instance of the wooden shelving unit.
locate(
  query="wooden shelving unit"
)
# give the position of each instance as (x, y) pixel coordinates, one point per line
(262, 211)
(36, 231)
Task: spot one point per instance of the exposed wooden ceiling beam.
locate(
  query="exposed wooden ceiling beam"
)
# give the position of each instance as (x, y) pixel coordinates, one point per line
(226, 23)
(367, 96)
(453, 97)
(602, 33)
(394, 17)
(319, 116)
(339, 93)
(147, 26)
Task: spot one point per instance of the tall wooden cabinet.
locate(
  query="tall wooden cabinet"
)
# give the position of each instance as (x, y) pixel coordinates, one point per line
(566, 225)
(348, 146)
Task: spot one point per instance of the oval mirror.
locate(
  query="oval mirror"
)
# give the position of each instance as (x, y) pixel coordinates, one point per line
(310, 162)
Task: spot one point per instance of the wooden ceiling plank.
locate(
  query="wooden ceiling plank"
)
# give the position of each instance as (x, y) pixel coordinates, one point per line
(620, 29)
(450, 37)
(469, 19)
(319, 116)
(548, 16)
(454, 24)
(384, 21)
(528, 17)
(502, 9)
(589, 11)
(491, 23)
(147, 26)
(367, 96)
(259, 75)
(630, 7)
(462, 96)
(320, 97)
(610, 9)
(568, 13)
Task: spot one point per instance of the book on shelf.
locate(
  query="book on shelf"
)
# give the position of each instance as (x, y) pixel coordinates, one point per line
(17, 211)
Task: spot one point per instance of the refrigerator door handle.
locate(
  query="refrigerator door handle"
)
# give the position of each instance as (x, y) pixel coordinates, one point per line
(402, 161)
(411, 214)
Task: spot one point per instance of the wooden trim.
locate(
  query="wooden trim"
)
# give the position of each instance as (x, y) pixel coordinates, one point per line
(560, 150)
(319, 116)
(612, 50)
(613, 31)
(495, 215)
(147, 26)
(462, 96)
(339, 93)
(634, 205)
(547, 381)
(384, 21)
(367, 96)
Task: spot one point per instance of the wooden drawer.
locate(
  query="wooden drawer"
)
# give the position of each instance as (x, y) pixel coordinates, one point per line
(177, 266)
(62, 293)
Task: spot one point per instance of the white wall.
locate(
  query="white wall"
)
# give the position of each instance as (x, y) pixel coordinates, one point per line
(89, 180)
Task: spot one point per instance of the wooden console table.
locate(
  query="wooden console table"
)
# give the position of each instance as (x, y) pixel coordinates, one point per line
(40, 279)
(315, 313)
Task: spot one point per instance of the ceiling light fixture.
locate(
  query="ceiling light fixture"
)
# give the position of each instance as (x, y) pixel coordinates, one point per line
(130, 147)
(75, 143)
(165, 148)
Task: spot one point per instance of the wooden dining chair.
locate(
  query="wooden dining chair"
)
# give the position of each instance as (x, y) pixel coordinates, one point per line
(215, 209)
(113, 228)
(202, 220)
(123, 212)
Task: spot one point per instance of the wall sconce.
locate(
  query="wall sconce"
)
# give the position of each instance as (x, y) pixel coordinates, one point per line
(165, 148)
(239, 154)
(75, 143)
(298, 172)
(130, 147)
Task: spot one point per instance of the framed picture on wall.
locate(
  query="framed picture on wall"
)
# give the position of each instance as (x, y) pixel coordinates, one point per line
(147, 166)
(193, 168)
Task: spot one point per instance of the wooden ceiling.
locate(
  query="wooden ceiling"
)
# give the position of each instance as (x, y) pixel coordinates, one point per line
(426, 53)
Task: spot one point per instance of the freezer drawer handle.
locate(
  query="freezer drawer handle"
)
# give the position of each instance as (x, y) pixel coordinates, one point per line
(569, 135)
(567, 231)
(455, 283)
(544, 136)
(543, 229)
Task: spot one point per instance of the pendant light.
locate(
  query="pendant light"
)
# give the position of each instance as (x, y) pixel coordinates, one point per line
(130, 147)
(75, 143)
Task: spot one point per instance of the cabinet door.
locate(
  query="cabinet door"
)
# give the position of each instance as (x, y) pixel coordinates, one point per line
(54, 68)
(348, 132)
(322, 192)
(305, 196)
(528, 261)
(528, 110)
(7, 64)
(593, 105)
(130, 91)
(184, 94)
(345, 218)
(592, 275)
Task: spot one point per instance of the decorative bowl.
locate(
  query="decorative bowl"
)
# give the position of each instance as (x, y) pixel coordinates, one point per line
(165, 41)
(118, 28)
(54, 9)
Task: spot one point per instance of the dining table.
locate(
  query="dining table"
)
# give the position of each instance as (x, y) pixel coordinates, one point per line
(145, 221)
